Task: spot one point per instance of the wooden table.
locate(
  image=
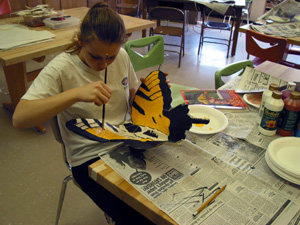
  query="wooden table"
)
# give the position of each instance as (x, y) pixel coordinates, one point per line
(190, 5)
(113, 182)
(14, 60)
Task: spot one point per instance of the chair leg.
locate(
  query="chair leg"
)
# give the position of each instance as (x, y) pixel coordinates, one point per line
(62, 197)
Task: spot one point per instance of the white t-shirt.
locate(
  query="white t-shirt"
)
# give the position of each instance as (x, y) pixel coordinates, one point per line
(67, 71)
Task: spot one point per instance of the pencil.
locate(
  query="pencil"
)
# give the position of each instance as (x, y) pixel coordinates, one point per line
(208, 201)
(105, 77)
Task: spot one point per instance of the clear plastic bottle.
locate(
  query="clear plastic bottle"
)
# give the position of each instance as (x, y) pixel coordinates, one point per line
(291, 86)
(289, 115)
(273, 108)
(265, 95)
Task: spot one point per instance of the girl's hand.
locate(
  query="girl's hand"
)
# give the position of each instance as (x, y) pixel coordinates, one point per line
(97, 92)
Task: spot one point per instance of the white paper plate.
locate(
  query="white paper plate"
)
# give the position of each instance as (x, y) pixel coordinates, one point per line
(284, 153)
(279, 19)
(279, 172)
(218, 121)
(247, 99)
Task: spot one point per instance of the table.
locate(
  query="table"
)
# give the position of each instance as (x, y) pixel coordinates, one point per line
(190, 5)
(14, 60)
(112, 181)
(291, 41)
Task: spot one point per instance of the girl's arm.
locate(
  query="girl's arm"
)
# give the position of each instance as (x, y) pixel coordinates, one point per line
(30, 113)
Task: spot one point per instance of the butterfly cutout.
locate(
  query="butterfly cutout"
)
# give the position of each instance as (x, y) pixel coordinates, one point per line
(153, 120)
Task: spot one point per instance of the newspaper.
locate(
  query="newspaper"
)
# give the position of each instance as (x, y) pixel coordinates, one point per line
(286, 30)
(289, 9)
(179, 178)
(253, 80)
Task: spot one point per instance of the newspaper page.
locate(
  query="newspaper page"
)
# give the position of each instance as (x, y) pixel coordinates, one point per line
(286, 30)
(179, 178)
(289, 9)
(256, 81)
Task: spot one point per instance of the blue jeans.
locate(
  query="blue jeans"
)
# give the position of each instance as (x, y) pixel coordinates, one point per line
(118, 210)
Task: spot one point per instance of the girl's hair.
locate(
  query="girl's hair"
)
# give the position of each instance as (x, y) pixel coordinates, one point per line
(102, 23)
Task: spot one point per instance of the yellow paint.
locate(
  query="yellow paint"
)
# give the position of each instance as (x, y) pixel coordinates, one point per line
(153, 108)
(108, 135)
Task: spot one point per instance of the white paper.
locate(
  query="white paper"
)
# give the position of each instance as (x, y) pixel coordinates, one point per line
(16, 35)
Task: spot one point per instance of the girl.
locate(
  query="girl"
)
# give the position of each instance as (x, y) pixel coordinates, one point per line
(72, 86)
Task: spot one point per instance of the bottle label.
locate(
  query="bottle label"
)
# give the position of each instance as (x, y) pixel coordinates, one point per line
(270, 119)
(288, 120)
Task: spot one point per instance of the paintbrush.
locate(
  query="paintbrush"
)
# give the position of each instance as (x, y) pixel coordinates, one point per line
(105, 77)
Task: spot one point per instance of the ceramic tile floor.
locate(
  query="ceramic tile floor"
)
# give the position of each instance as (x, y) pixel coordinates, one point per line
(31, 166)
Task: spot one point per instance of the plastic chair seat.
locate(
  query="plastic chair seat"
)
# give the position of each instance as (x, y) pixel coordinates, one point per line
(218, 25)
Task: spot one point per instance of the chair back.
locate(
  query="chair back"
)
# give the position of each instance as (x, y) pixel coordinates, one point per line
(265, 47)
(167, 13)
(128, 8)
(154, 56)
(5, 7)
(57, 135)
(231, 69)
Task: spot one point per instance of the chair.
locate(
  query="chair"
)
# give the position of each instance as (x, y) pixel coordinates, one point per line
(229, 70)
(154, 56)
(57, 135)
(208, 24)
(246, 11)
(265, 47)
(135, 6)
(5, 7)
(177, 30)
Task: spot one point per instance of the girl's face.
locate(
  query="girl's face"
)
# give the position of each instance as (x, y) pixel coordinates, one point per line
(93, 53)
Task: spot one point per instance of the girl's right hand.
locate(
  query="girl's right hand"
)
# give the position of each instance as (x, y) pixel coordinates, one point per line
(97, 92)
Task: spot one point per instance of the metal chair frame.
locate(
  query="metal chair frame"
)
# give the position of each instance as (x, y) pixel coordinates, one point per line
(172, 14)
(208, 24)
(127, 6)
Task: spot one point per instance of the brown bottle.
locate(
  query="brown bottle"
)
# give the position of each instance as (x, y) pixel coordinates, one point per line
(290, 113)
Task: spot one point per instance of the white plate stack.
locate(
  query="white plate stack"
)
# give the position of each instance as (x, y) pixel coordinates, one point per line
(283, 157)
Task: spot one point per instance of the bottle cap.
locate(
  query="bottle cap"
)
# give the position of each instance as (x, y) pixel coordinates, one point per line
(295, 95)
(277, 94)
(273, 87)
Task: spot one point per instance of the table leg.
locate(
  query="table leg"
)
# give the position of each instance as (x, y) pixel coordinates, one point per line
(238, 11)
(17, 83)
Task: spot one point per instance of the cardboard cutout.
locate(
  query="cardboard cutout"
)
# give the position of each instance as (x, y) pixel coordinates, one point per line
(153, 120)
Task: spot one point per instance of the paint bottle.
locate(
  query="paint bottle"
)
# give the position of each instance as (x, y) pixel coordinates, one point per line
(291, 86)
(297, 129)
(289, 115)
(265, 95)
(273, 108)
